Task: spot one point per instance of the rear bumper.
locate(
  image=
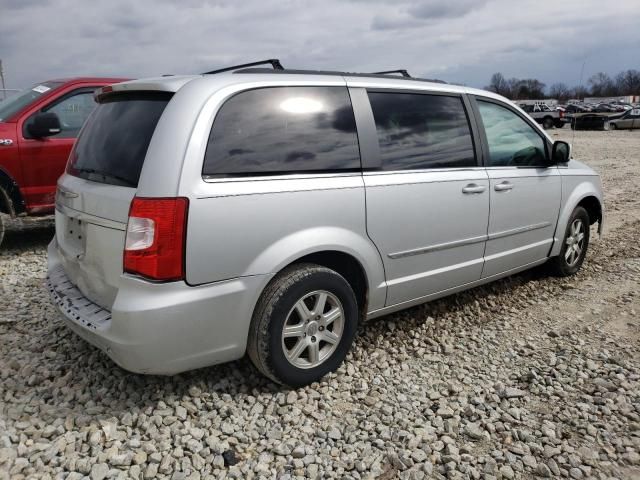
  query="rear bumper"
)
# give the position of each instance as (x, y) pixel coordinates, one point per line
(162, 328)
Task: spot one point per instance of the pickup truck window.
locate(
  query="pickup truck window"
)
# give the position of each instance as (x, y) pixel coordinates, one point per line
(72, 112)
(12, 105)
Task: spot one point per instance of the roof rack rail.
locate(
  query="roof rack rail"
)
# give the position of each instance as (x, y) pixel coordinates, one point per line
(402, 72)
(274, 62)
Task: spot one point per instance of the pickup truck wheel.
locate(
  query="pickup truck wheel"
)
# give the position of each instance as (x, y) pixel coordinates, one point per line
(574, 245)
(3, 222)
(547, 123)
(303, 325)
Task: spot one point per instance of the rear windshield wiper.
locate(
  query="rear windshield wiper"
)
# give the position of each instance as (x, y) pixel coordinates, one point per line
(105, 175)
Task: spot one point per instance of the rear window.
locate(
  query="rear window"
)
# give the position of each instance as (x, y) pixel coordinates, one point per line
(113, 143)
(283, 130)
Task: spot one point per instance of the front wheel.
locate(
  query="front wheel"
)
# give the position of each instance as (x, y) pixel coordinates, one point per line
(574, 245)
(303, 325)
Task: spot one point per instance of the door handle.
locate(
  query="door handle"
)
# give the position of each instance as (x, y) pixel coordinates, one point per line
(473, 188)
(503, 187)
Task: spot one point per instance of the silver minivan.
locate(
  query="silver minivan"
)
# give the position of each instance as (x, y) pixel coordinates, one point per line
(269, 211)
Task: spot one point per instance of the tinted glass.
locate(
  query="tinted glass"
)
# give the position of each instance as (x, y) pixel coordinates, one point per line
(112, 146)
(422, 131)
(15, 103)
(512, 141)
(283, 130)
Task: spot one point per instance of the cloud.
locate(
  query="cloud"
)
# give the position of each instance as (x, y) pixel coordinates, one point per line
(437, 9)
(461, 41)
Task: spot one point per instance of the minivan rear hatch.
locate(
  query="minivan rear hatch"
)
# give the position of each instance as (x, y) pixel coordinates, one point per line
(95, 193)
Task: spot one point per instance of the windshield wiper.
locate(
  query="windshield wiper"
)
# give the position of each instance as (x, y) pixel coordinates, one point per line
(105, 175)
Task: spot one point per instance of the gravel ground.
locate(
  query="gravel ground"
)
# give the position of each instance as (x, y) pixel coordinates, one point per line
(528, 377)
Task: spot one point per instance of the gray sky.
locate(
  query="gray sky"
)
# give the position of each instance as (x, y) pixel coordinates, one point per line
(462, 41)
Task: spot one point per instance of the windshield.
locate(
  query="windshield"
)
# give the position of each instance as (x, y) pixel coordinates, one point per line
(14, 104)
(113, 143)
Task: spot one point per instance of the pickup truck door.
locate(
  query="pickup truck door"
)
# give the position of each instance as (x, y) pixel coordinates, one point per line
(525, 193)
(44, 159)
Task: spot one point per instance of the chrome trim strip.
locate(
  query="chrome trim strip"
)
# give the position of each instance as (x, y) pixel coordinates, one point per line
(515, 231)
(467, 241)
(438, 247)
(85, 217)
(67, 193)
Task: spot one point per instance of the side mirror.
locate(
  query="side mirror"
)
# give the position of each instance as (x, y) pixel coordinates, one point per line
(44, 125)
(560, 153)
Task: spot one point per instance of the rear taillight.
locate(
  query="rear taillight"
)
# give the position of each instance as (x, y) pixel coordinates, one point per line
(155, 240)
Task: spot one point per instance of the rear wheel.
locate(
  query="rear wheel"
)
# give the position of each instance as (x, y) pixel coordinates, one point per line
(574, 244)
(303, 325)
(547, 123)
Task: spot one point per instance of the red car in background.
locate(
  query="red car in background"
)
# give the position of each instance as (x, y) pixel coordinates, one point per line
(37, 129)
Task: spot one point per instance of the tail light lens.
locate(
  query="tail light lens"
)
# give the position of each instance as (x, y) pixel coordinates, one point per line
(155, 240)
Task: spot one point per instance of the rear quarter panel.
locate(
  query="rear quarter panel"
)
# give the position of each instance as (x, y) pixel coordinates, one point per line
(239, 229)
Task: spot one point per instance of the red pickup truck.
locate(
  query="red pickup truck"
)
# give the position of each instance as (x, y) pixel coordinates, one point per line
(37, 129)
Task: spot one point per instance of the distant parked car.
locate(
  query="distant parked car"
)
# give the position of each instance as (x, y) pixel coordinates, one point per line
(630, 119)
(544, 115)
(604, 108)
(590, 121)
(577, 108)
(37, 129)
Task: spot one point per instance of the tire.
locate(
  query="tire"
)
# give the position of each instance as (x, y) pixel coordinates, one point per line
(291, 360)
(547, 123)
(612, 126)
(567, 264)
(3, 219)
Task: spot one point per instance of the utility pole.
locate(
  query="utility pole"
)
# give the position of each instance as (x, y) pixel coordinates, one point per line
(4, 92)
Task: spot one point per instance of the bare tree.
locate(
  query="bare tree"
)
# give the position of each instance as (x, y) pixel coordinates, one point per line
(499, 85)
(579, 92)
(559, 91)
(628, 82)
(601, 85)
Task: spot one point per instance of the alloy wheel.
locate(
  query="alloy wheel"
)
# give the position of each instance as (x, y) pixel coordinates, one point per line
(313, 329)
(575, 242)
